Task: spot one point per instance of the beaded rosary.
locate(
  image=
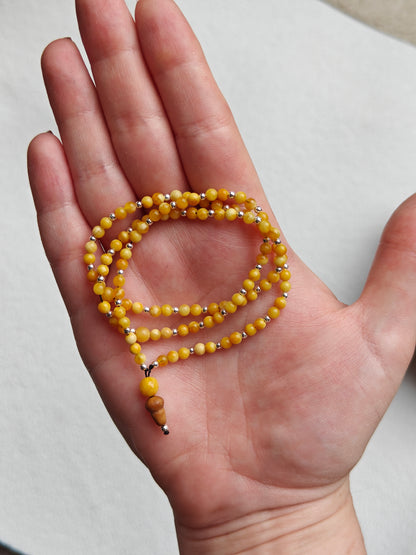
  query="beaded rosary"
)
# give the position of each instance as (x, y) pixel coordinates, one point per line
(112, 301)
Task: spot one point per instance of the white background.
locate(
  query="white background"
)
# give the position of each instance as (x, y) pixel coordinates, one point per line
(327, 107)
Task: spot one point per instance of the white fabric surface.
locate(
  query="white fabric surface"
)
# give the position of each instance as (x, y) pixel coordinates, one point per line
(327, 107)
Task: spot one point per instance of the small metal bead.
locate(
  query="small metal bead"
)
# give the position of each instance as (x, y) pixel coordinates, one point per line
(278, 269)
(129, 245)
(90, 267)
(129, 229)
(174, 331)
(240, 214)
(226, 207)
(167, 197)
(211, 213)
(100, 278)
(231, 194)
(191, 351)
(111, 252)
(173, 204)
(258, 220)
(201, 325)
(285, 266)
(112, 216)
(202, 195)
(244, 335)
(285, 295)
(218, 346)
(118, 302)
(127, 331)
(258, 209)
(109, 314)
(259, 266)
(132, 330)
(165, 429)
(224, 312)
(267, 319)
(258, 289)
(120, 272)
(153, 364)
(266, 240)
(183, 213)
(205, 309)
(175, 310)
(277, 242)
(146, 309)
(149, 221)
(143, 367)
(139, 203)
(92, 238)
(243, 291)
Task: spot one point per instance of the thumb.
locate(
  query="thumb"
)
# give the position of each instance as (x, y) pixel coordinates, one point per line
(388, 300)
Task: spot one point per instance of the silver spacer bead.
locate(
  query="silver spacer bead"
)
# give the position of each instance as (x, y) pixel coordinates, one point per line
(118, 302)
(143, 367)
(183, 213)
(267, 319)
(211, 213)
(129, 229)
(173, 204)
(149, 221)
(226, 207)
(132, 330)
(258, 289)
(112, 216)
(139, 203)
(278, 269)
(244, 335)
(153, 364)
(218, 346)
(146, 309)
(243, 291)
(129, 245)
(127, 331)
(92, 238)
(277, 242)
(205, 309)
(191, 351)
(111, 252)
(257, 220)
(90, 267)
(175, 310)
(259, 266)
(224, 312)
(240, 214)
(201, 325)
(167, 197)
(266, 240)
(165, 429)
(174, 331)
(120, 272)
(109, 314)
(258, 209)
(285, 295)
(231, 194)
(202, 195)
(285, 266)
(100, 278)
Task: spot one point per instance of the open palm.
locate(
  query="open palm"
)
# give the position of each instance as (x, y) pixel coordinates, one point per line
(279, 420)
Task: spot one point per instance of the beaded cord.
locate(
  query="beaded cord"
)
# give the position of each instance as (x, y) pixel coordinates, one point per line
(112, 301)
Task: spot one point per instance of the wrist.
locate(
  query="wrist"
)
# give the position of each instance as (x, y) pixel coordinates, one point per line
(326, 525)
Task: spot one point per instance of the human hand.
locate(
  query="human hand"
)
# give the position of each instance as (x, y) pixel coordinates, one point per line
(269, 429)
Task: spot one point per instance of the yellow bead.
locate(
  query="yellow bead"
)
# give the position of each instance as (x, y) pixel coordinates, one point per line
(199, 349)
(155, 310)
(173, 356)
(131, 338)
(166, 333)
(184, 309)
(89, 258)
(124, 322)
(240, 197)
(108, 294)
(265, 285)
(137, 308)
(148, 386)
(130, 207)
(98, 232)
(250, 329)
(250, 204)
(225, 343)
(194, 199)
(219, 214)
(196, 309)
(248, 284)
(274, 233)
(103, 270)
(262, 259)
(236, 338)
(119, 312)
(213, 308)
(155, 334)
(202, 214)
(280, 250)
(154, 215)
(116, 245)
(106, 222)
(280, 261)
(264, 227)
(175, 195)
(164, 208)
(218, 318)
(209, 322)
(162, 360)
(251, 295)
(91, 247)
(183, 330)
(135, 348)
(210, 347)
(143, 334)
(260, 323)
(231, 214)
(120, 213)
(191, 213)
(127, 304)
(119, 294)
(158, 198)
(211, 194)
(249, 217)
(99, 288)
(123, 236)
(147, 202)
(167, 310)
(140, 226)
(182, 203)
(193, 327)
(126, 254)
(222, 194)
(104, 307)
(273, 312)
(140, 358)
(184, 353)
(106, 259)
(285, 286)
(239, 299)
(285, 275)
(92, 275)
(230, 307)
(122, 264)
(135, 236)
(273, 277)
(119, 280)
(254, 274)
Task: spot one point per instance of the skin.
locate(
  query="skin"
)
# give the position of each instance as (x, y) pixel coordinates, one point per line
(264, 435)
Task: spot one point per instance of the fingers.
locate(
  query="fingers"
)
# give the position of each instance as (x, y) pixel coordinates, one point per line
(133, 110)
(389, 296)
(210, 146)
(92, 161)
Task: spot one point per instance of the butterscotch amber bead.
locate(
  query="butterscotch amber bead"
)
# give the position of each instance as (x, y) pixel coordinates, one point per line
(120, 213)
(155, 310)
(262, 259)
(260, 323)
(162, 360)
(238, 299)
(218, 318)
(148, 386)
(285, 286)
(184, 353)
(265, 248)
(236, 338)
(251, 295)
(211, 194)
(240, 197)
(116, 245)
(164, 208)
(225, 343)
(106, 222)
(127, 304)
(147, 202)
(123, 236)
(182, 203)
(154, 215)
(273, 312)
(141, 227)
(196, 309)
(222, 194)
(155, 334)
(184, 309)
(274, 233)
(209, 322)
(193, 327)
(231, 214)
(140, 358)
(122, 264)
(280, 302)
(175, 214)
(108, 294)
(126, 254)
(89, 258)
(250, 204)
(124, 322)
(273, 277)
(264, 227)
(103, 270)
(191, 213)
(210, 347)
(99, 288)
(135, 236)
(202, 214)
(135, 349)
(119, 312)
(254, 274)
(119, 280)
(280, 250)
(219, 214)
(280, 261)
(285, 275)
(143, 334)
(173, 356)
(193, 199)
(119, 294)
(137, 308)
(158, 198)
(92, 275)
(250, 329)
(130, 207)
(166, 333)
(175, 195)
(199, 349)
(98, 232)
(183, 330)
(230, 307)
(131, 338)
(249, 217)
(265, 285)
(104, 307)
(167, 310)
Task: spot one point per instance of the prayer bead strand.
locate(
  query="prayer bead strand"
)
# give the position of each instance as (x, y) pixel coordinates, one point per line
(213, 204)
